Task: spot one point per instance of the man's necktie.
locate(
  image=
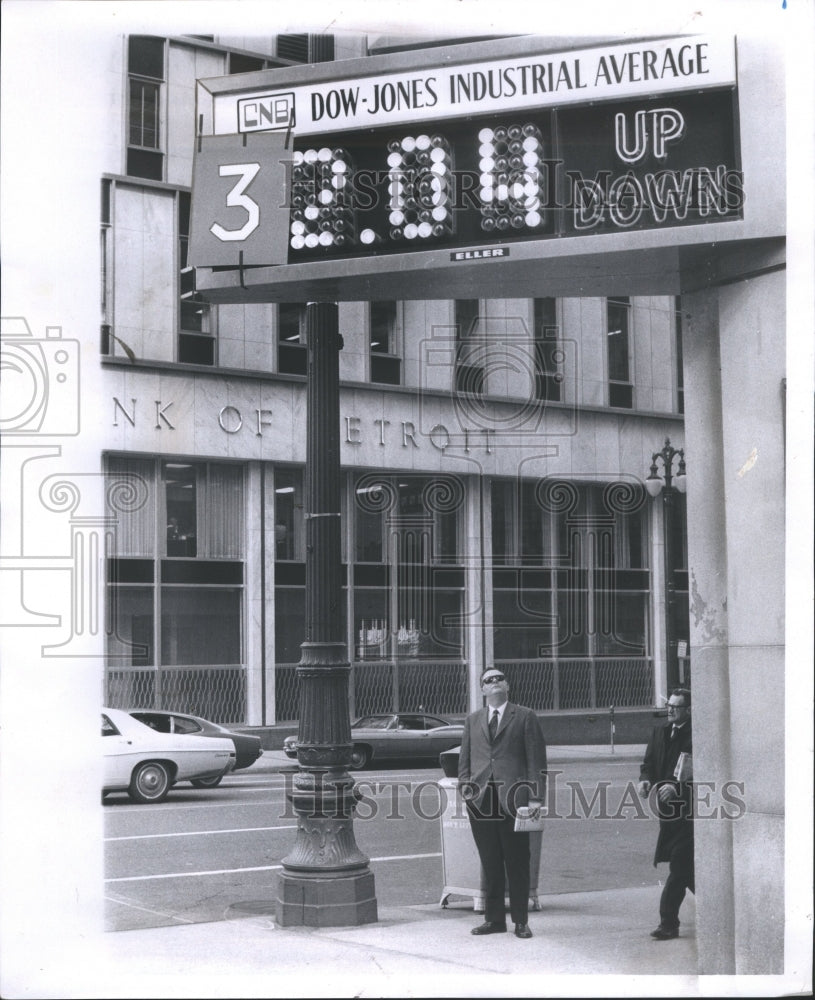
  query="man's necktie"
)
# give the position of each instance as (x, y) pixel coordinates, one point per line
(493, 724)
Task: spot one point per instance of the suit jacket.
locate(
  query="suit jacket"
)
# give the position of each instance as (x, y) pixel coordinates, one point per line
(675, 817)
(516, 761)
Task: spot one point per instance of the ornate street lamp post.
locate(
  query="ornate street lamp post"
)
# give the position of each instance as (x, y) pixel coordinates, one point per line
(668, 484)
(325, 881)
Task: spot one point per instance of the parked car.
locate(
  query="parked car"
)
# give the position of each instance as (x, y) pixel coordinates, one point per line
(146, 763)
(247, 748)
(408, 735)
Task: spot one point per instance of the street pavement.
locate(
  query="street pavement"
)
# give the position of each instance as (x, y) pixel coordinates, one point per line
(584, 943)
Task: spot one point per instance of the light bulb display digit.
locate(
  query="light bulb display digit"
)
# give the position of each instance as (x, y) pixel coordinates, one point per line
(510, 182)
(322, 212)
(419, 188)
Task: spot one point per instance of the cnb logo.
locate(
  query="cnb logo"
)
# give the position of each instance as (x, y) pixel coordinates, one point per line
(266, 113)
(666, 125)
(40, 380)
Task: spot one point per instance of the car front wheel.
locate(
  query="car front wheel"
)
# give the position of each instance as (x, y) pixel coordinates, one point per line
(206, 782)
(359, 757)
(150, 782)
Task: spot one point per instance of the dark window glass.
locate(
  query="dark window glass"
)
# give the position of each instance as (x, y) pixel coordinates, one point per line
(290, 623)
(620, 388)
(548, 377)
(145, 56)
(618, 315)
(200, 625)
(105, 203)
(383, 327)
(141, 163)
(288, 517)
(194, 312)
(239, 63)
(387, 370)
(180, 484)
(620, 395)
(130, 640)
(292, 355)
(194, 350)
(680, 377)
(466, 317)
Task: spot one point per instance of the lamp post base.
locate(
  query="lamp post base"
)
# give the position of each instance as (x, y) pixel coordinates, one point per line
(309, 901)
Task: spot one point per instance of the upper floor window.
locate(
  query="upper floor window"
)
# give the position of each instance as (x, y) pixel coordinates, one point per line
(469, 376)
(548, 352)
(385, 360)
(620, 389)
(196, 344)
(105, 261)
(292, 353)
(680, 378)
(145, 68)
(240, 63)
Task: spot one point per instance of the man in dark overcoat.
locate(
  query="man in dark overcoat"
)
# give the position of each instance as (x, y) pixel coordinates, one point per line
(502, 766)
(673, 800)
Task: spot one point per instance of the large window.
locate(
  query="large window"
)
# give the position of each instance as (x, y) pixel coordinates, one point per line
(680, 377)
(292, 353)
(570, 574)
(196, 344)
(620, 389)
(175, 564)
(385, 360)
(469, 379)
(145, 67)
(548, 350)
(105, 257)
(408, 578)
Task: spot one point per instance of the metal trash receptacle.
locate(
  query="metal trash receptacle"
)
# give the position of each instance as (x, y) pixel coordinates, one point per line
(461, 866)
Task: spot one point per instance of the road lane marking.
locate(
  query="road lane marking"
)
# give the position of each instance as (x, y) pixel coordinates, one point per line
(258, 868)
(148, 909)
(203, 833)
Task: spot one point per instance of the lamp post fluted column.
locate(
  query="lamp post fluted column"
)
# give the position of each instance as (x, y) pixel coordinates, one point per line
(326, 881)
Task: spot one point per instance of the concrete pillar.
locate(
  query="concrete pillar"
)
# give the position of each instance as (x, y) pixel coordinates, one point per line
(734, 364)
(707, 567)
(752, 356)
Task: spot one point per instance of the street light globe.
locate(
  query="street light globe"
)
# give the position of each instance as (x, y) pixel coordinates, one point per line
(654, 485)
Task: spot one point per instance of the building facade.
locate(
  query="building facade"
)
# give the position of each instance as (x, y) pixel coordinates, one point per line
(493, 451)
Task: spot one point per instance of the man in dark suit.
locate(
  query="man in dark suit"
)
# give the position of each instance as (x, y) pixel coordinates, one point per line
(674, 807)
(502, 766)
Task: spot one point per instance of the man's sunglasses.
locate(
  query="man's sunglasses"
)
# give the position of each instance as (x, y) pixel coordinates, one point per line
(493, 679)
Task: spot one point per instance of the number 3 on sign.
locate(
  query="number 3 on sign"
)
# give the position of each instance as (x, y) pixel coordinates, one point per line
(240, 209)
(238, 199)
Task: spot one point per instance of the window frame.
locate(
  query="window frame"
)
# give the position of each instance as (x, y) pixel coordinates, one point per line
(620, 391)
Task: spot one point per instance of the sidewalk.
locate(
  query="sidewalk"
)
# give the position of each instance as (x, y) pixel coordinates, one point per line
(412, 951)
(421, 950)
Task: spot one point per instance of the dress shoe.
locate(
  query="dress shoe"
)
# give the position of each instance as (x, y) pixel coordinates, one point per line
(490, 927)
(665, 933)
(522, 931)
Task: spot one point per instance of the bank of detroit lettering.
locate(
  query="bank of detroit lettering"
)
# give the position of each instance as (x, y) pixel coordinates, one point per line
(472, 171)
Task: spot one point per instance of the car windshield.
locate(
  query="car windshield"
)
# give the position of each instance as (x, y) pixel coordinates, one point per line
(374, 722)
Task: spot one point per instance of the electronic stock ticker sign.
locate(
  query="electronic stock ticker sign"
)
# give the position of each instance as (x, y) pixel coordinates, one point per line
(469, 159)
